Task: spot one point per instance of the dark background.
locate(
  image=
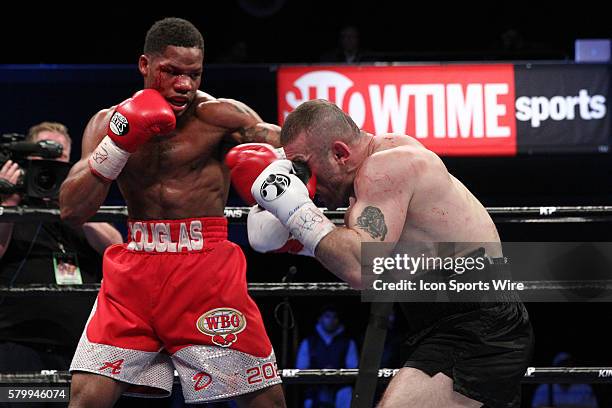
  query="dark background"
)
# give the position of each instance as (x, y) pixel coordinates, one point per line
(300, 31)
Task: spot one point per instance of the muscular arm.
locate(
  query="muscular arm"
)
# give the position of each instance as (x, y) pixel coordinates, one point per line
(243, 124)
(82, 193)
(340, 250)
(384, 189)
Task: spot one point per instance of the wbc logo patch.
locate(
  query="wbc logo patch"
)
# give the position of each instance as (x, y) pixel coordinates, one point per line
(222, 324)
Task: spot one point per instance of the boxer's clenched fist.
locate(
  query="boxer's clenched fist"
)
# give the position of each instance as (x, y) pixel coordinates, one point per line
(267, 234)
(133, 123)
(139, 118)
(279, 190)
(247, 161)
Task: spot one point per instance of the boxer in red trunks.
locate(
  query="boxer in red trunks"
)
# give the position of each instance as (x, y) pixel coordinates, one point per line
(175, 297)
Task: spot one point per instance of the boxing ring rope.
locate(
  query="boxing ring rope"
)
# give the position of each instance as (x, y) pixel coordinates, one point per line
(533, 375)
(264, 289)
(537, 214)
(255, 289)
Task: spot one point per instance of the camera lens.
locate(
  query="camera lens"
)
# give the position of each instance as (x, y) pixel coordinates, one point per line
(44, 177)
(46, 180)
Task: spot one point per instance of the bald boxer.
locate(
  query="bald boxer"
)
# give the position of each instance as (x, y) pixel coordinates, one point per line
(175, 296)
(460, 354)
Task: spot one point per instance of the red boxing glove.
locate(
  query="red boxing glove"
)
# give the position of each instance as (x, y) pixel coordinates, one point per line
(139, 118)
(247, 161)
(133, 123)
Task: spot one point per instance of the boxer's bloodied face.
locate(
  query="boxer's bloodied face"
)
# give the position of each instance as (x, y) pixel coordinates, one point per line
(334, 182)
(176, 74)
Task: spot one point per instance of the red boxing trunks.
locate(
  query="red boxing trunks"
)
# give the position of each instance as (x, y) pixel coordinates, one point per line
(175, 297)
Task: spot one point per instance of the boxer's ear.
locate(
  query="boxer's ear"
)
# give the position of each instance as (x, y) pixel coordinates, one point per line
(340, 151)
(143, 65)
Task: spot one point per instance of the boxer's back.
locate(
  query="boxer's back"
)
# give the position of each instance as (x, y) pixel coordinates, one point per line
(180, 175)
(441, 209)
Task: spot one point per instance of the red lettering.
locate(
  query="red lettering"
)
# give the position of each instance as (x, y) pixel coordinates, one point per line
(268, 371)
(115, 366)
(255, 375)
(202, 380)
(212, 322)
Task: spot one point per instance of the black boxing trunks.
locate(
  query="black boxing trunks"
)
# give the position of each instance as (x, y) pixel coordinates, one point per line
(484, 348)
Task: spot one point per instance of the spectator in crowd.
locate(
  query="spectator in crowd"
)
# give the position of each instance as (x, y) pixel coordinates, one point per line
(348, 50)
(42, 332)
(328, 347)
(564, 395)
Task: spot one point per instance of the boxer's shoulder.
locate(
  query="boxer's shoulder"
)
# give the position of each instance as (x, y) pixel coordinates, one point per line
(380, 172)
(203, 102)
(391, 140)
(402, 157)
(225, 113)
(203, 97)
(414, 158)
(389, 170)
(102, 116)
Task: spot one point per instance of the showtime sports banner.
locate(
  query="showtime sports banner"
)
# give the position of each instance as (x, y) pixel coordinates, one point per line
(494, 109)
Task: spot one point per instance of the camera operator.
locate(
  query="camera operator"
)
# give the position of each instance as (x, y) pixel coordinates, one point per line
(41, 332)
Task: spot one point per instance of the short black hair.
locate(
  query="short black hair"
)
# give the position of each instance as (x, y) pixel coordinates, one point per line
(172, 31)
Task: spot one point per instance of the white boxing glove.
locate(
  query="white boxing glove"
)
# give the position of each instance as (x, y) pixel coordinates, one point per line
(280, 191)
(267, 234)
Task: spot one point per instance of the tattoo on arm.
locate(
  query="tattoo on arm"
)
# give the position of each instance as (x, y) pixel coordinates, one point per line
(372, 220)
(254, 134)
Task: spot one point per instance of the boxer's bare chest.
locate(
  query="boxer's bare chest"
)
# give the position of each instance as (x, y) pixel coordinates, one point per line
(191, 147)
(178, 175)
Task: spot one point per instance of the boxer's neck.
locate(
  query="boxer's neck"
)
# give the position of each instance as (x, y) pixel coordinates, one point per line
(363, 148)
